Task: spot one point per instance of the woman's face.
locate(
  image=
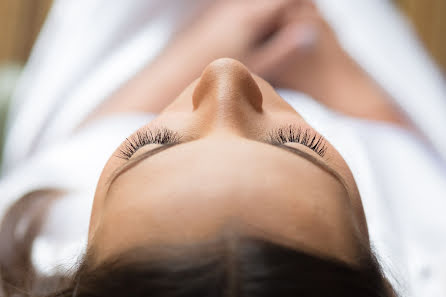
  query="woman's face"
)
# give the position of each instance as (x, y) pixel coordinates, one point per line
(228, 154)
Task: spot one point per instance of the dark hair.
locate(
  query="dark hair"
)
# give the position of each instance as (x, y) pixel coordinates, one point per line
(227, 266)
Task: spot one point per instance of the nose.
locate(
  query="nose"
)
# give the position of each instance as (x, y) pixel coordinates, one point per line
(227, 88)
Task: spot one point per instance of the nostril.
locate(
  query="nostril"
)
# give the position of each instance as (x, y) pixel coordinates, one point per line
(227, 81)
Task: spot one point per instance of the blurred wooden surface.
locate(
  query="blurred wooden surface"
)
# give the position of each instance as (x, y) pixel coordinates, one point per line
(20, 21)
(429, 18)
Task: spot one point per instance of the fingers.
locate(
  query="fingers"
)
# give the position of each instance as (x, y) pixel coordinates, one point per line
(267, 13)
(268, 6)
(270, 16)
(271, 9)
(300, 9)
(285, 47)
(297, 35)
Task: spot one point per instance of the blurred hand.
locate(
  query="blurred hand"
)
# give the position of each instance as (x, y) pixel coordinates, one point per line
(255, 32)
(246, 30)
(287, 42)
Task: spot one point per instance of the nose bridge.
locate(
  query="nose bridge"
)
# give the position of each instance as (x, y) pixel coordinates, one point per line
(227, 93)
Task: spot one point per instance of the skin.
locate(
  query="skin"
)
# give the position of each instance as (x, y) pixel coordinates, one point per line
(223, 176)
(286, 42)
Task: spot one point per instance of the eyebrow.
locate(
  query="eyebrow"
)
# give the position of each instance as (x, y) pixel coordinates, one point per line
(309, 157)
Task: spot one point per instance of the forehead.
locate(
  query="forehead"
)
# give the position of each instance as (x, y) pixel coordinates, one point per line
(191, 191)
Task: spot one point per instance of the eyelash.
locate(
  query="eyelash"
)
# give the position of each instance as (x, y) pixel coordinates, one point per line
(306, 137)
(144, 137)
(165, 136)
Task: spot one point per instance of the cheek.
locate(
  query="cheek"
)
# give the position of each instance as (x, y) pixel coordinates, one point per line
(275, 120)
(183, 102)
(181, 122)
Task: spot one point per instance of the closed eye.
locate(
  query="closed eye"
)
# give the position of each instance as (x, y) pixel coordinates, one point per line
(307, 137)
(164, 136)
(145, 136)
(301, 153)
